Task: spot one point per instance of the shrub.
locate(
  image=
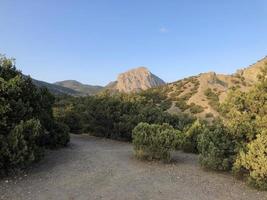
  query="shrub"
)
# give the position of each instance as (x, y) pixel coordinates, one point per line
(73, 121)
(189, 142)
(216, 148)
(213, 98)
(59, 136)
(154, 141)
(20, 147)
(181, 104)
(26, 118)
(209, 115)
(254, 161)
(196, 108)
(165, 105)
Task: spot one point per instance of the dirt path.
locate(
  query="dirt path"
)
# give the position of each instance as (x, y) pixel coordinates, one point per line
(94, 168)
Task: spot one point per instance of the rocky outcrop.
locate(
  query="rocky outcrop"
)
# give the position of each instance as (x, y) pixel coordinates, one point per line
(137, 80)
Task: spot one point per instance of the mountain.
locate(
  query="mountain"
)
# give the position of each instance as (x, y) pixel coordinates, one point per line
(202, 94)
(135, 80)
(79, 87)
(199, 95)
(56, 89)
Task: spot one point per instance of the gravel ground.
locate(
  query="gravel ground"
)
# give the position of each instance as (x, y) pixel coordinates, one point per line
(94, 168)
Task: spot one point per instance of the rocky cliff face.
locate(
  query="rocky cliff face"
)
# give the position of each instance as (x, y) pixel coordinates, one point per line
(137, 80)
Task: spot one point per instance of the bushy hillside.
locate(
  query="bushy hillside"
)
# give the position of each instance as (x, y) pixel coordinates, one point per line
(201, 95)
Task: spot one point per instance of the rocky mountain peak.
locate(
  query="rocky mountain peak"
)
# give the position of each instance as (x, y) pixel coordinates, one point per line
(137, 79)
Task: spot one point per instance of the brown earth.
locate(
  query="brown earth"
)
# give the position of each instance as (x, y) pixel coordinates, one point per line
(94, 168)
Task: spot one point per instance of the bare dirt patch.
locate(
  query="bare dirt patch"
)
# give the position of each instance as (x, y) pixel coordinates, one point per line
(94, 168)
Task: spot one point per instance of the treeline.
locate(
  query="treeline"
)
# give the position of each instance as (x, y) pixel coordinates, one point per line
(27, 124)
(114, 115)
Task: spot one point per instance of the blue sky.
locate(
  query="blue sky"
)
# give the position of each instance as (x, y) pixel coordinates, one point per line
(94, 40)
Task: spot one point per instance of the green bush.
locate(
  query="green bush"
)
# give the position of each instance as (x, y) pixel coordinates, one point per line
(165, 105)
(254, 161)
(196, 108)
(189, 142)
(216, 148)
(213, 98)
(154, 141)
(181, 104)
(26, 118)
(73, 120)
(59, 136)
(20, 147)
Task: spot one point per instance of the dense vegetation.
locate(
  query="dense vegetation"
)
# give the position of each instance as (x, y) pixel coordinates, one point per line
(114, 116)
(239, 143)
(155, 141)
(213, 98)
(216, 147)
(27, 125)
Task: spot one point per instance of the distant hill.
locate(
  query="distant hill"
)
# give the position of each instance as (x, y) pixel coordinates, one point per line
(135, 80)
(56, 89)
(82, 89)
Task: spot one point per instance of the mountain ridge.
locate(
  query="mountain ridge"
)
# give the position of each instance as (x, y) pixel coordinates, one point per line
(199, 95)
(84, 89)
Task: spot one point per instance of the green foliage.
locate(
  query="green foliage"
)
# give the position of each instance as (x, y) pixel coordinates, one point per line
(20, 147)
(209, 115)
(213, 98)
(182, 104)
(245, 113)
(196, 108)
(165, 105)
(154, 141)
(115, 116)
(189, 142)
(216, 148)
(153, 95)
(254, 161)
(26, 118)
(59, 135)
(237, 143)
(67, 115)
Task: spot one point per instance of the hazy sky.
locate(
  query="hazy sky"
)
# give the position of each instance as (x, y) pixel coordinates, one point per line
(94, 40)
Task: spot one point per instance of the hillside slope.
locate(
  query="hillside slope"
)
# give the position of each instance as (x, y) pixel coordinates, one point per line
(202, 94)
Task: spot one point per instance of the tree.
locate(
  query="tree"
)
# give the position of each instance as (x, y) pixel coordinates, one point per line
(245, 113)
(189, 142)
(26, 118)
(254, 161)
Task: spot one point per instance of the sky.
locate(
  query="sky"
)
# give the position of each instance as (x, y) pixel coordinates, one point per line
(92, 41)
